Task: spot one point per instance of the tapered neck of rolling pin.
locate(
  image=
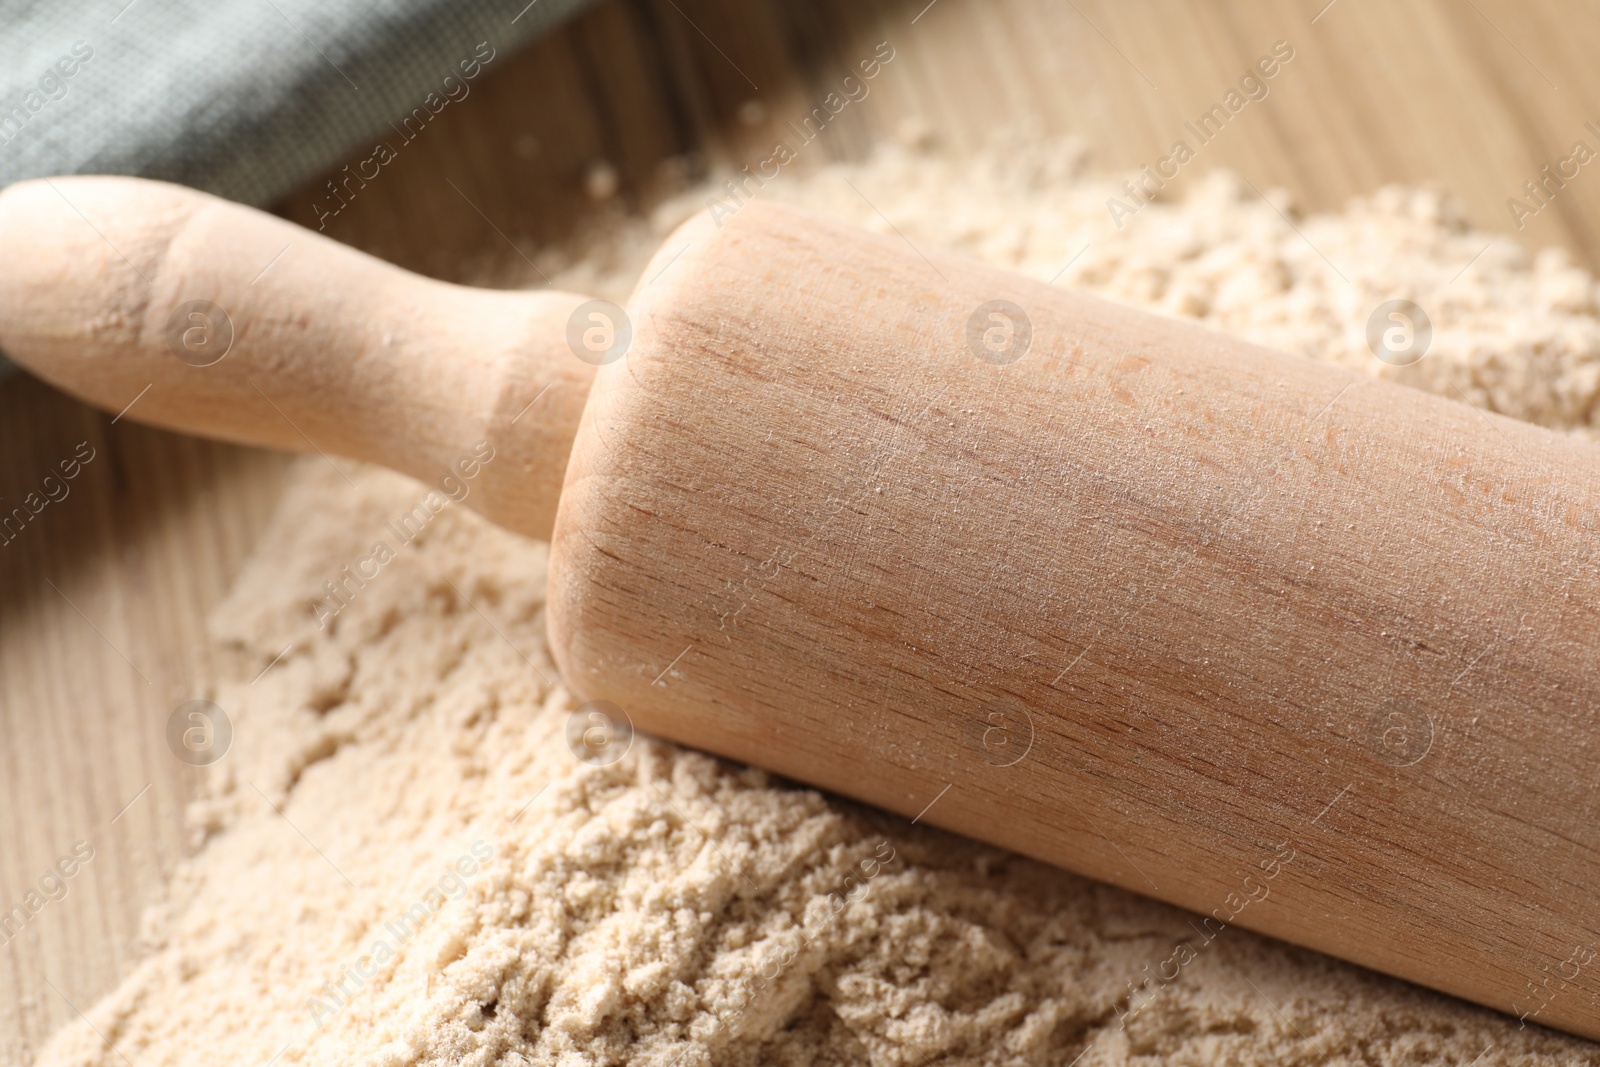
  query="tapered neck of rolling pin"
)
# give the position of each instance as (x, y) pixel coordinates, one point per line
(217, 319)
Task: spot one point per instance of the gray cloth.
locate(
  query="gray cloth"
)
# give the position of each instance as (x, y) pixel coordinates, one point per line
(247, 99)
(243, 98)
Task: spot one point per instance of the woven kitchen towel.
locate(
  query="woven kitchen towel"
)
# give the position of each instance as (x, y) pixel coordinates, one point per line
(243, 98)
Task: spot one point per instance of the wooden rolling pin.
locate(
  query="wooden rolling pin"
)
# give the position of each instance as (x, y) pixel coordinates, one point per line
(1303, 652)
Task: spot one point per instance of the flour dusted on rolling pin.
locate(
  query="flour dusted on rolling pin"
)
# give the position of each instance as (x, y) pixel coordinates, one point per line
(490, 892)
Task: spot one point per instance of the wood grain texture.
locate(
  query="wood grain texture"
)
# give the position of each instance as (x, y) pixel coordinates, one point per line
(103, 598)
(1122, 594)
(1428, 91)
(1474, 98)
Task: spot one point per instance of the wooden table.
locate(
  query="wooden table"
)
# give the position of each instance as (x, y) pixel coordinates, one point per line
(103, 595)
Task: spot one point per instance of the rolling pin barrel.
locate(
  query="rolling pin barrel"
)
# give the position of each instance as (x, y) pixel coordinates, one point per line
(1306, 653)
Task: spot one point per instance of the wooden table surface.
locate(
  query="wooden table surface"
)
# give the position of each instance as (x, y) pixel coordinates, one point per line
(103, 596)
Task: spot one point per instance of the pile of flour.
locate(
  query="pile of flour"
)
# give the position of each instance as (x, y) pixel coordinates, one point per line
(401, 861)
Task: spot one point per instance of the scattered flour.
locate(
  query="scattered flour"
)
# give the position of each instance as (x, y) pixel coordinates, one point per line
(401, 861)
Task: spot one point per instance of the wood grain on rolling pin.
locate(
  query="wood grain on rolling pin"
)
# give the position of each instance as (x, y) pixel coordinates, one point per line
(1223, 611)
